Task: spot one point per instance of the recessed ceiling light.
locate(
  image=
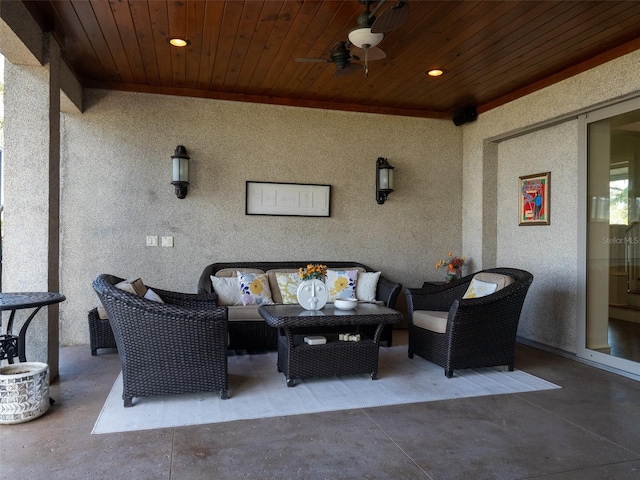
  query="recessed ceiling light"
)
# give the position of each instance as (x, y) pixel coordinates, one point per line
(436, 72)
(178, 41)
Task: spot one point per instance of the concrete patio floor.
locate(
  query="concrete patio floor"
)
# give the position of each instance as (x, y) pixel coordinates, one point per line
(587, 430)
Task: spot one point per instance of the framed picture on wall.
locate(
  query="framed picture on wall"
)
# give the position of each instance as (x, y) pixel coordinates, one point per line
(296, 199)
(534, 199)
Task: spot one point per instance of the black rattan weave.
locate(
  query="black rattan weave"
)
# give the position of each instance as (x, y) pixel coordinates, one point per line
(251, 335)
(296, 359)
(481, 332)
(179, 346)
(100, 333)
(333, 358)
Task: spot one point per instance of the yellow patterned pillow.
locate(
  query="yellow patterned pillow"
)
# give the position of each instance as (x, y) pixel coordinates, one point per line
(254, 288)
(288, 284)
(341, 283)
(479, 289)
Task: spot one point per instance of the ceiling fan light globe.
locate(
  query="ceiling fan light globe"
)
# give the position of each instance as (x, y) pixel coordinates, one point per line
(363, 36)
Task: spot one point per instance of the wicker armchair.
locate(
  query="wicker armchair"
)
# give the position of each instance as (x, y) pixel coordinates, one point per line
(179, 346)
(474, 332)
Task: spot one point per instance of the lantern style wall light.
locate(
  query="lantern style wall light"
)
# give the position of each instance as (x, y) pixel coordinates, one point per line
(180, 177)
(384, 180)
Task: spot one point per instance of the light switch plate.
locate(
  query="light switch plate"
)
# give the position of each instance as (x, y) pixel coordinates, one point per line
(152, 240)
(167, 241)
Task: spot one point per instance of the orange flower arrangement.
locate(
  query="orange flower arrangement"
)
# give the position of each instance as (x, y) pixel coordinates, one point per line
(454, 266)
(311, 271)
(451, 262)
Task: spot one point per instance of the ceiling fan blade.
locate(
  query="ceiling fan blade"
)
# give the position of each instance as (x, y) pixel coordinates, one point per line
(392, 18)
(312, 60)
(348, 70)
(371, 54)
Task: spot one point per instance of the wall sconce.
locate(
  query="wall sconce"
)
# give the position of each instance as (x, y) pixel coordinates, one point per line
(180, 161)
(384, 180)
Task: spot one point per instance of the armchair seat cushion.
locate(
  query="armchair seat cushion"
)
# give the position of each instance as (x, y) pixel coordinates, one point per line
(430, 320)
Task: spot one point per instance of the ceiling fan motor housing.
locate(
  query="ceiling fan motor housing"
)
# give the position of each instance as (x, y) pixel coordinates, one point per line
(340, 55)
(365, 19)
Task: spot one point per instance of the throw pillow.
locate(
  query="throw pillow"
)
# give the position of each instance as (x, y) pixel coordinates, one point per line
(288, 284)
(153, 296)
(102, 313)
(133, 285)
(479, 289)
(254, 288)
(227, 290)
(367, 286)
(341, 283)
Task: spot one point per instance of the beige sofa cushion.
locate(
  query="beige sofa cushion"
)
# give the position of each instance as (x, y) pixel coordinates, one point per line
(239, 313)
(430, 320)
(500, 280)
(233, 272)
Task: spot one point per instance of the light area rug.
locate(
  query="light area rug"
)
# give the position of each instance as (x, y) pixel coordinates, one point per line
(258, 390)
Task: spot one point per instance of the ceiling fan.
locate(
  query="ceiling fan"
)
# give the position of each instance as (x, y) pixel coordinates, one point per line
(363, 39)
(341, 56)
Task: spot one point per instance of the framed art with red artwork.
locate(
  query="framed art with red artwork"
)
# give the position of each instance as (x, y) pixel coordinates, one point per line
(534, 199)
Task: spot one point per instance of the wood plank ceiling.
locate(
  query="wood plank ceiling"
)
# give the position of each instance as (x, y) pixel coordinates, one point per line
(491, 51)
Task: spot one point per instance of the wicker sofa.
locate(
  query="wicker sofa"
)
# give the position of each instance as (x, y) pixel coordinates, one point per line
(247, 329)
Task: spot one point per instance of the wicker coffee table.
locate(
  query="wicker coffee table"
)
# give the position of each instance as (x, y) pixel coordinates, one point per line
(296, 359)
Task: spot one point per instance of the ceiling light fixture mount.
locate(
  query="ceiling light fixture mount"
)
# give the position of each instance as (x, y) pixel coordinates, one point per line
(179, 41)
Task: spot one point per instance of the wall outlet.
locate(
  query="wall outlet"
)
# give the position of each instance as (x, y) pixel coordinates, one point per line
(152, 240)
(167, 241)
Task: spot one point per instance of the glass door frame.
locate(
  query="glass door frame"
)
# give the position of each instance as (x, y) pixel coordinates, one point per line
(623, 365)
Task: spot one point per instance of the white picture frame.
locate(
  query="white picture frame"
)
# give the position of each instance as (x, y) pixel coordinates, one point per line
(290, 199)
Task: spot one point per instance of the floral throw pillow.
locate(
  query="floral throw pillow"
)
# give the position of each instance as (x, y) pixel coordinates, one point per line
(479, 289)
(254, 288)
(341, 283)
(288, 284)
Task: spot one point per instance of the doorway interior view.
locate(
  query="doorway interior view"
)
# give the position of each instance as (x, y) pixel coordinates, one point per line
(612, 331)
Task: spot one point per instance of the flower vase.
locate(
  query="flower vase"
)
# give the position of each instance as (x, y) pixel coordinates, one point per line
(312, 294)
(453, 274)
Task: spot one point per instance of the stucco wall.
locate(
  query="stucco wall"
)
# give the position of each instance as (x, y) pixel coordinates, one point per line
(549, 251)
(550, 315)
(115, 191)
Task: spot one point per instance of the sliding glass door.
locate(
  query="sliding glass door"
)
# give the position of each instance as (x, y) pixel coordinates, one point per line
(611, 331)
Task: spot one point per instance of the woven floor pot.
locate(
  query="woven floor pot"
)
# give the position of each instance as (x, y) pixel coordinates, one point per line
(24, 392)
